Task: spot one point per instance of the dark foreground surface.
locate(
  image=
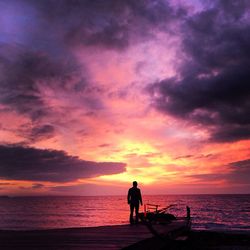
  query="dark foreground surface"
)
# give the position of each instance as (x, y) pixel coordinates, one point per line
(198, 241)
(118, 237)
(105, 237)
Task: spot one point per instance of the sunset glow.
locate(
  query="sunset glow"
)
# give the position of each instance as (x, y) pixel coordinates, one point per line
(97, 94)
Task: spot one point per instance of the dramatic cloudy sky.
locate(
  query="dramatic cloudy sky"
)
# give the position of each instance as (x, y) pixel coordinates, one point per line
(95, 94)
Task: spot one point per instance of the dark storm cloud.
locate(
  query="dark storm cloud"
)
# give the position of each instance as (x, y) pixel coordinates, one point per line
(24, 163)
(239, 173)
(24, 75)
(54, 26)
(39, 39)
(45, 131)
(36, 132)
(23, 72)
(212, 88)
(110, 24)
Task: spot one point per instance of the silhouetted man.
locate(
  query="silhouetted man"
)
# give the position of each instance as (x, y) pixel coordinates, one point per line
(134, 198)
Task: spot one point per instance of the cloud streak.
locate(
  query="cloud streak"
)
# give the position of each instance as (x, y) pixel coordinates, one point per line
(237, 173)
(25, 163)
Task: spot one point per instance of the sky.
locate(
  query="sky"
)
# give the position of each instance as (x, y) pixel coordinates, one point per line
(96, 94)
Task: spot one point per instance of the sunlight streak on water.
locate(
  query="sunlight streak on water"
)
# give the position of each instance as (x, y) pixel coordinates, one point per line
(209, 212)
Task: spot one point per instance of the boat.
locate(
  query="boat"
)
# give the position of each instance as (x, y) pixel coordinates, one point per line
(164, 224)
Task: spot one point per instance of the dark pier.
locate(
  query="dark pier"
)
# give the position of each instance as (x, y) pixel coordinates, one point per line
(105, 237)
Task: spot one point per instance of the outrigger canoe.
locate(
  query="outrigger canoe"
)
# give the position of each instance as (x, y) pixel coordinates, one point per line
(165, 225)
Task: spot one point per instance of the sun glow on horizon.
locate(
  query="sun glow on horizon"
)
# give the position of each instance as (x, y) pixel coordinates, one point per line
(134, 93)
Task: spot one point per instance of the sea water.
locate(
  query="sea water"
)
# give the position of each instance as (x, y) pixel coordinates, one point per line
(208, 212)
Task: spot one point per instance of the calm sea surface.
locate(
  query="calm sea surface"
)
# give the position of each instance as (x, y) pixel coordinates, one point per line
(209, 212)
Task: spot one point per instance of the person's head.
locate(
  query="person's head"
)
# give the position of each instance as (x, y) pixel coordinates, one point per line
(135, 184)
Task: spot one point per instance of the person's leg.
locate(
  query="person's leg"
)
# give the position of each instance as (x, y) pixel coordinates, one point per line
(136, 213)
(131, 213)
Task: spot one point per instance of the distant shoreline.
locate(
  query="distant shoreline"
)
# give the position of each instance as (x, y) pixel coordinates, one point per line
(103, 195)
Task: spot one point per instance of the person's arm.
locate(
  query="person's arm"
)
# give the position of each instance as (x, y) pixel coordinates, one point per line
(128, 196)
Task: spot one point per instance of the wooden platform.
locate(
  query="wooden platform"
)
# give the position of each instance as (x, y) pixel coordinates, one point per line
(106, 237)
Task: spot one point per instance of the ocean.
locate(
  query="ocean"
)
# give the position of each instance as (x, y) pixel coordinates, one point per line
(208, 212)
